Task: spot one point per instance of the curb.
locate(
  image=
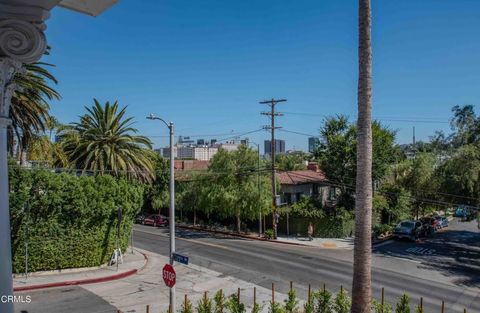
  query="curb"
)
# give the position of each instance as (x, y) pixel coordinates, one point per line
(242, 236)
(85, 281)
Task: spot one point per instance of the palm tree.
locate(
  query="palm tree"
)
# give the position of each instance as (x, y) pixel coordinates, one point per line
(29, 109)
(103, 141)
(362, 256)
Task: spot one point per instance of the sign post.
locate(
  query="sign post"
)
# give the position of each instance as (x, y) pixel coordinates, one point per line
(169, 275)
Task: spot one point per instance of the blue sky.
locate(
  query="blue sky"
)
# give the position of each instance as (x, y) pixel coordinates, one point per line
(206, 64)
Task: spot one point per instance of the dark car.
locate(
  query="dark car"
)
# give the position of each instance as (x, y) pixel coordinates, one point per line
(442, 221)
(155, 220)
(431, 221)
(409, 229)
(139, 218)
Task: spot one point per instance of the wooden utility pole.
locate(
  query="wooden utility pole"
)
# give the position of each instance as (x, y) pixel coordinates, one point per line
(272, 128)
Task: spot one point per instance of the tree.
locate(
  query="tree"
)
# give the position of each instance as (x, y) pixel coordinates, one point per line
(291, 161)
(465, 125)
(460, 175)
(337, 153)
(156, 193)
(104, 141)
(29, 109)
(362, 253)
(234, 189)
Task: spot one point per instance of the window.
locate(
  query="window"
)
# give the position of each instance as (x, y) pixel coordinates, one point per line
(332, 193)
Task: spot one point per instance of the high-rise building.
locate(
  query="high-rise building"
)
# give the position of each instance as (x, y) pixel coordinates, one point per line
(184, 140)
(313, 143)
(279, 146)
(200, 142)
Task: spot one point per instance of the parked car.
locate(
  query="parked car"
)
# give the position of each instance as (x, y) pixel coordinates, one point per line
(431, 221)
(409, 229)
(139, 218)
(155, 220)
(443, 221)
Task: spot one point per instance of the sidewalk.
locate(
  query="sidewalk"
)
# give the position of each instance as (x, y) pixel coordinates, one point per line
(327, 243)
(132, 263)
(134, 293)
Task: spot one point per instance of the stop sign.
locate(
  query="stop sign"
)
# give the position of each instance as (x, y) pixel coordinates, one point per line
(169, 275)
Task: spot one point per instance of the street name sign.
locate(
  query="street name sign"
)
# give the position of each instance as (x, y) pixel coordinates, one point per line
(180, 258)
(169, 275)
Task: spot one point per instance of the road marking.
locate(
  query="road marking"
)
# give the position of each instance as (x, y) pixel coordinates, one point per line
(185, 239)
(388, 242)
(420, 250)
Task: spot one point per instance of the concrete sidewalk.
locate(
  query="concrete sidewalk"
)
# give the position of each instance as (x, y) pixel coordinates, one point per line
(134, 293)
(132, 263)
(327, 243)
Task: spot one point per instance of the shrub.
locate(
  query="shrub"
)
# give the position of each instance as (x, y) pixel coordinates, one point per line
(186, 306)
(269, 234)
(342, 302)
(71, 221)
(204, 305)
(291, 302)
(275, 307)
(377, 307)
(403, 305)
(234, 305)
(324, 302)
(219, 299)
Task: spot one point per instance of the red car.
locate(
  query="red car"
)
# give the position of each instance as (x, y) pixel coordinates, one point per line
(155, 220)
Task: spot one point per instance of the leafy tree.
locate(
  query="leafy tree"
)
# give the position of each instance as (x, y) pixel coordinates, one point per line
(234, 189)
(460, 175)
(291, 161)
(156, 194)
(465, 125)
(337, 153)
(104, 141)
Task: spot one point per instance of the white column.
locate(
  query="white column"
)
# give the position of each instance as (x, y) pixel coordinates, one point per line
(21, 41)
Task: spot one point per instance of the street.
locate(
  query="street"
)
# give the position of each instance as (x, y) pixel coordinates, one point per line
(441, 268)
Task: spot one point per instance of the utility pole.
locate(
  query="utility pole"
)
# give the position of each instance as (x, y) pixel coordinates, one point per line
(414, 144)
(272, 128)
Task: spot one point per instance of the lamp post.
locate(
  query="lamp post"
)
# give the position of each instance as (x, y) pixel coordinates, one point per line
(171, 213)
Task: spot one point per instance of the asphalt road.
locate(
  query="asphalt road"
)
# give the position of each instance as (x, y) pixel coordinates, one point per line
(454, 253)
(263, 263)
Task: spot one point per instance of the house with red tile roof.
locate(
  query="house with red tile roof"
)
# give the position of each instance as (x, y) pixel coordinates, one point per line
(311, 182)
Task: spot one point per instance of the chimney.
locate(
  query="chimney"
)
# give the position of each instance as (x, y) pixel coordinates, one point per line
(313, 166)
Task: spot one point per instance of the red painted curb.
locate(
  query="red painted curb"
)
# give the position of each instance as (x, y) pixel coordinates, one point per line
(84, 281)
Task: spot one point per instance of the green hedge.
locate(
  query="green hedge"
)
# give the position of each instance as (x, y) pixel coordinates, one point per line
(72, 220)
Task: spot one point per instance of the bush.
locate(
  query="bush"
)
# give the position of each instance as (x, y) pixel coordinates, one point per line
(342, 302)
(71, 221)
(377, 307)
(269, 234)
(403, 304)
(204, 305)
(382, 229)
(324, 302)
(234, 305)
(291, 302)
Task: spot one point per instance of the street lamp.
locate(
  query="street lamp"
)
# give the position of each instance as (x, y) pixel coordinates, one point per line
(171, 213)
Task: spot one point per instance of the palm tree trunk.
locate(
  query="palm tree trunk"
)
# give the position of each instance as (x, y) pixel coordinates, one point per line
(361, 288)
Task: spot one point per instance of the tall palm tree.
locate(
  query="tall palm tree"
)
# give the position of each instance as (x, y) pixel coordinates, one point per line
(29, 109)
(362, 256)
(104, 141)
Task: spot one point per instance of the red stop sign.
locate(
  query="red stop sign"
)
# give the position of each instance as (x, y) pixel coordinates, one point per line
(169, 275)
